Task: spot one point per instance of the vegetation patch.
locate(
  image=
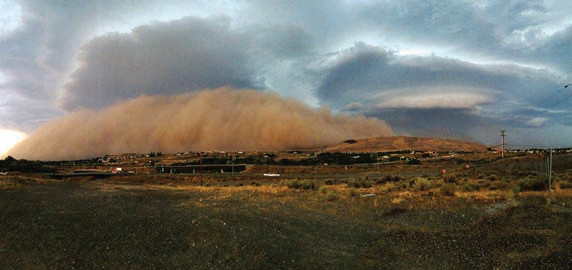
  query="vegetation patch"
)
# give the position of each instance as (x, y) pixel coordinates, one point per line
(534, 183)
(304, 184)
(468, 187)
(565, 184)
(361, 183)
(451, 178)
(448, 189)
(421, 184)
(328, 194)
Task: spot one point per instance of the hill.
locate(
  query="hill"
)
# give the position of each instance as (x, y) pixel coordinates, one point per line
(397, 143)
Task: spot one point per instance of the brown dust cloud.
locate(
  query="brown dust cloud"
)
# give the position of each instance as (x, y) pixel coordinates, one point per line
(219, 120)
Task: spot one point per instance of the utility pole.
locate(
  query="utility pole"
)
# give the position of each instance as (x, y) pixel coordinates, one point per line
(550, 172)
(502, 144)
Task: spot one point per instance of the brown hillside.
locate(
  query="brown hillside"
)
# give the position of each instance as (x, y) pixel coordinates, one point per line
(397, 143)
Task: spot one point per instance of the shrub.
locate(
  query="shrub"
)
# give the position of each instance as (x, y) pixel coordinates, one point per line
(448, 189)
(295, 184)
(328, 194)
(330, 182)
(353, 192)
(515, 189)
(493, 177)
(311, 184)
(496, 185)
(407, 182)
(510, 195)
(255, 183)
(467, 187)
(390, 186)
(533, 183)
(387, 178)
(359, 183)
(551, 200)
(565, 184)
(421, 184)
(331, 195)
(450, 179)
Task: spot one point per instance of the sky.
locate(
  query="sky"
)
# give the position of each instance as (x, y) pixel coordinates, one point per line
(452, 69)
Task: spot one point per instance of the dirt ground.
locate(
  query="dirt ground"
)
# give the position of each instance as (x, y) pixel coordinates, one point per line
(104, 224)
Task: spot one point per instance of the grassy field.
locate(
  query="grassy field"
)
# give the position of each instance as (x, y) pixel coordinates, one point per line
(110, 225)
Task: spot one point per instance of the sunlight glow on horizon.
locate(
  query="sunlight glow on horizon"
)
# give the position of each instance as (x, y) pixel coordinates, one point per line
(9, 138)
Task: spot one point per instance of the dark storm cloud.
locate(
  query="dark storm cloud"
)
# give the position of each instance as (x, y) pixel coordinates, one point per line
(557, 50)
(173, 57)
(367, 70)
(179, 56)
(434, 96)
(437, 122)
(36, 56)
(512, 30)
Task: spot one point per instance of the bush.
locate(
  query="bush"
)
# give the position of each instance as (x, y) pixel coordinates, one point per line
(306, 184)
(451, 179)
(390, 186)
(565, 184)
(510, 195)
(295, 184)
(467, 187)
(421, 184)
(255, 183)
(353, 192)
(496, 185)
(330, 182)
(387, 178)
(407, 183)
(359, 183)
(330, 195)
(448, 189)
(533, 183)
(309, 184)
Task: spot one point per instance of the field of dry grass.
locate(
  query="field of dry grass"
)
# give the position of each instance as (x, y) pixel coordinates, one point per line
(411, 223)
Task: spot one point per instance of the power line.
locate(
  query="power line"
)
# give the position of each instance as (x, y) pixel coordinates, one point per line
(549, 100)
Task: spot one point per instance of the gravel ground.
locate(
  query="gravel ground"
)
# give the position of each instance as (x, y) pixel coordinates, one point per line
(94, 225)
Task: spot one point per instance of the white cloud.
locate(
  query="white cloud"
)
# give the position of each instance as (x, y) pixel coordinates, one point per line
(537, 121)
(425, 98)
(10, 17)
